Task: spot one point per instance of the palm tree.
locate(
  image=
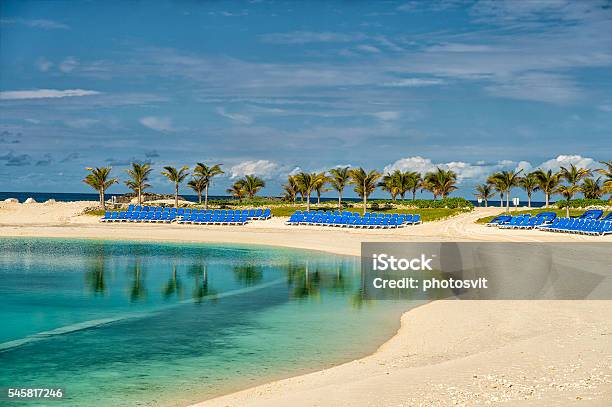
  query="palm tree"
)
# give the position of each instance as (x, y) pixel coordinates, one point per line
(237, 190)
(365, 183)
(207, 173)
(573, 175)
(140, 175)
(198, 184)
(413, 182)
(591, 188)
(100, 181)
(339, 179)
(392, 183)
(176, 176)
(485, 191)
(547, 181)
(607, 173)
(440, 182)
(291, 188)
(308, 182)
(505, 181)
(530, 184)
(496, 184)
(251, 184)
(567, 191)
(319, 188)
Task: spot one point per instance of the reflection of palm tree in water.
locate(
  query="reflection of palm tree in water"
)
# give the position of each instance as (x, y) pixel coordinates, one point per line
(137, 291)
(248, 274)
(305, 284)
(201, 287)
(173, 285)
(94, 277)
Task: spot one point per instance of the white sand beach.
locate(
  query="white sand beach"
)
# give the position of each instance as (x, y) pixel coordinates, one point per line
(445, 353)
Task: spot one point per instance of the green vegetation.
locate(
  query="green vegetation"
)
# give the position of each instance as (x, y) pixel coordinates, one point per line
(559, 212)
(582, 203)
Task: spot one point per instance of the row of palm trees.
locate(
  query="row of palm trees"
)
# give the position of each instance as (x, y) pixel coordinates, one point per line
(567, 182)
(100, 179)
(440, 182)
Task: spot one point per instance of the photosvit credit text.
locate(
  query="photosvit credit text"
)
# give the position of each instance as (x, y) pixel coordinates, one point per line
(385, 263)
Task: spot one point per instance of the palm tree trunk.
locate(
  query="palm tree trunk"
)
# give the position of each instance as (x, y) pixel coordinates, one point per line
(365, 203)
(139, 197)
(308, 202)
(205, 197)
(339, 200)
(508, 201)
(547, 199)
(486, 203)
(199, 197)
(501, 199)
(414, 194)
(318, 198)
(529, 200)
(102, 202)
(567, 210)
(176, 195)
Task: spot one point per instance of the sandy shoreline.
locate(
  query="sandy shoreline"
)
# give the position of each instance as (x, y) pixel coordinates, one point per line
(445, 353)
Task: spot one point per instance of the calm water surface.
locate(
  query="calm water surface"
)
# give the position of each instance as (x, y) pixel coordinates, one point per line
(123, 324)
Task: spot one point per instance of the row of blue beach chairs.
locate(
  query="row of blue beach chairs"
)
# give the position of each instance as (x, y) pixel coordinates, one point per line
(152, 214)
(354, 220)
(589, 223)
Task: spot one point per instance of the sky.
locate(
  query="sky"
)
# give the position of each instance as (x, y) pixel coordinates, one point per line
(275, 87)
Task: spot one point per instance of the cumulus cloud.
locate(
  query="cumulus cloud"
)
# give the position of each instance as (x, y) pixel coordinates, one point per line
(45, 94)
(261, 168)
(565, 160)
(368, 48)
(465, 171)
(163, 124)
(237, 117)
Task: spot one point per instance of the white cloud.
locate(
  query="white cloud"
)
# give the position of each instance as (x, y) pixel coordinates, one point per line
(565, 160)
(43, 64)
(68, 65)
(238, 117)
(464, 170)
(605, 107)
(456, 47)
(163, 124)
(305, 37)
(45, 93)
(261, 168)
(44, 24)
(387, 115)
(81, 123)
(415, 82)
(539, 87)
(368, 48)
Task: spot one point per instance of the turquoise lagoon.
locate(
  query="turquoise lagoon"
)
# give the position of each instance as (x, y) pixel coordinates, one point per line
(123, 324)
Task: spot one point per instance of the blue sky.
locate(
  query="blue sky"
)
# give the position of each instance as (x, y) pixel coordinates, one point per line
(271, 87)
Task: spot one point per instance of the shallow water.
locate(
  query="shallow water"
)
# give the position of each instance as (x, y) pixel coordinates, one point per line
(123, 324)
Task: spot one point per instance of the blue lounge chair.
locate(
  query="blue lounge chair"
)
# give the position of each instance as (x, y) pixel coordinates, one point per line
(592, 214)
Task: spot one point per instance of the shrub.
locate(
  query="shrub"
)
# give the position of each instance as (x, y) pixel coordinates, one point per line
(451, 203)
(582, 203)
